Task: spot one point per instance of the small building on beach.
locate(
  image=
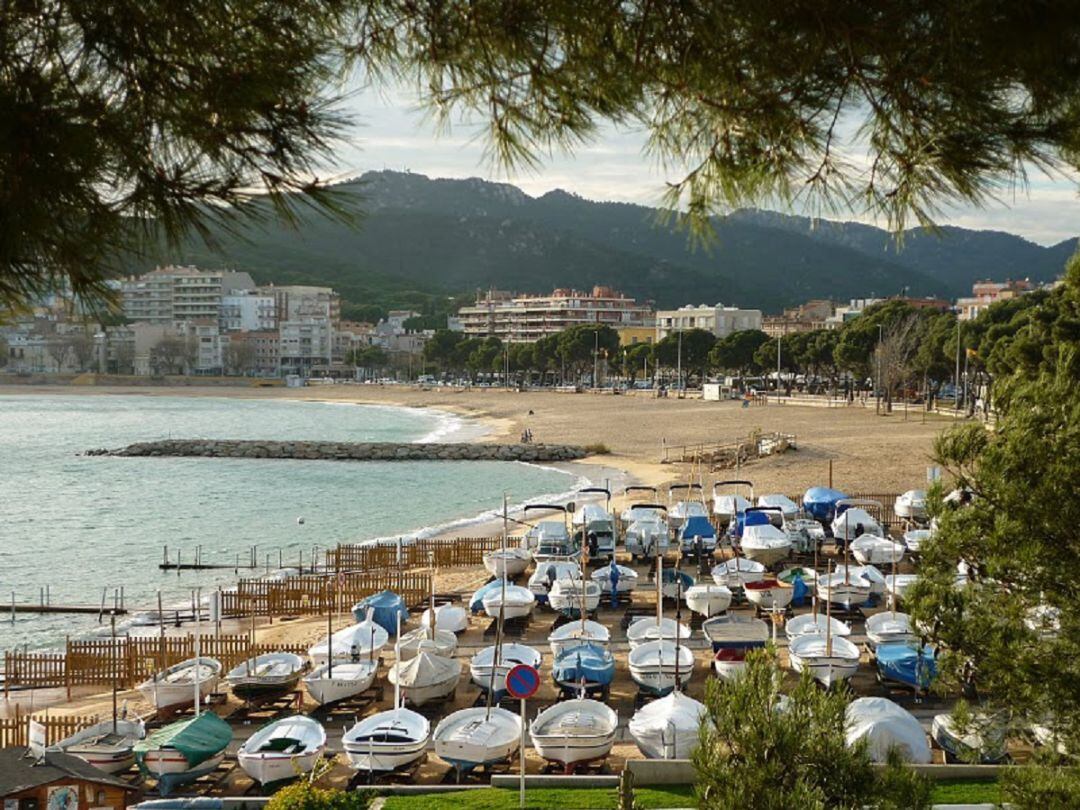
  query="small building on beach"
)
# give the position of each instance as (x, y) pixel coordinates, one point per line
(57, 781)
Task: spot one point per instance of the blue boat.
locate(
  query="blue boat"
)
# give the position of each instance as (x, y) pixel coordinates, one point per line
(587, 666)
(697, 529)
(386, 607)
(820, 502)
(906, 664)
(749, 518)
(476, 603)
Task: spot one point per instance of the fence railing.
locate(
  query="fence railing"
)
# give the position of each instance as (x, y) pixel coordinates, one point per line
(315, 594)
(14, 731)
(459, 552)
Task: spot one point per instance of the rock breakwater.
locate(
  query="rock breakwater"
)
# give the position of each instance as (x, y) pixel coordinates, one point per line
(346, 451)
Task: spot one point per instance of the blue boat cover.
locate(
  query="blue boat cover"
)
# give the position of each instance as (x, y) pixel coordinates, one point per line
(696, 526)
(670, 576)
(590, 663)
(820, 502)
(476, 604)
(903, 663)
(387, 607)
(744, 519)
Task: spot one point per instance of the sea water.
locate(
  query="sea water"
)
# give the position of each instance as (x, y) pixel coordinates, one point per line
(82, 525)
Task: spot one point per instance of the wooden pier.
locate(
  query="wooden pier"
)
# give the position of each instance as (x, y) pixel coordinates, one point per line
(36, 608)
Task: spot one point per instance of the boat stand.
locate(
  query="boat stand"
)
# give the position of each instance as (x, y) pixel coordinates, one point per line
(601, 693)
(515, 628)
(481, 775)
(402, 776)
(594, 767)
(848, 614)
(635, 612)
(269, 707)
(350, 706)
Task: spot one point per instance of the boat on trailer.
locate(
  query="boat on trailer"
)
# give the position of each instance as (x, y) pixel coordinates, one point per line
(283, 749)
(573, 732)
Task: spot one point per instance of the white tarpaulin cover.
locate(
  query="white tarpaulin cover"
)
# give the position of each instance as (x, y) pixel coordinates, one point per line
(886, 725)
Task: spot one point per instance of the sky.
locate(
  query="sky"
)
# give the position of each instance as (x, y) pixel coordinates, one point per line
(394, 134)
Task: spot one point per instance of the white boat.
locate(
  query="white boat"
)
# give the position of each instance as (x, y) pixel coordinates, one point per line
(869, 549)
(765, 543)
(889, 626)
(911, 505)
(184, 751)
(769, 594)
(568, 596)
(386, 741)
(830, 660)
(732, 637)
(983, 740)
(514, 601)
(597, 525)
(658, 666)
(361, 640)
(572, 634)
(283, 749)
(735, 573)
(886, 727)
(914, 539)
(845, 590)
(897, 586)
(649, 533)
(266, 674)
(625, 579)
(649, 629)
(174, 687)
(553, 542)
(809, 624)
(807, 575)
(330, 683)
(708, 600)
(853, 522)
(868, 572)
(486, 671)
(789, 510)
(547, 573)
(470, 738)
(422, 639)
(668, 728)
(806, 534)
(727, 505)
(109, 745)
(681, 511)
(452, 618)
(574, 731)
(425, 677)
(507, 562)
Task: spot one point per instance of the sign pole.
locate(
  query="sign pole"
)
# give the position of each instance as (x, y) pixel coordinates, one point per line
(521, 791)
(522, 681)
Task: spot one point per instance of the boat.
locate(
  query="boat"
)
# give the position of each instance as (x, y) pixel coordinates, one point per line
(983, 740)
(184, 751)
(769, 594)
(681, 511)
(507, 562)
(109, 745)
(736, 572)
(573, 633)
(333, 682)
(547, 573)
(844, 589)
(174, 687)
(657, 667)
(852, 520)
(282, 749)
(764, 543)
(471, 738)
(388, 740)
(450, 617)
(570, 596)
(809, 624)
(585, 666)
(648, 533)
(645, 630)
(574, 732)
(726, 506)
(425, 677)
(789, 510)
(613, 578)
(476, 601)
(422, 639)
(886, 727)
(869, 573)
(674, 583)
(697, 535)
(820, 503)
(789, 575)
(914, 539)
(732, 637)
(668, 728)
(906, 664)
(550, 540)
(868, 549)
(266, 674)
(911, 505)
(628, 514)
(596, 524)
(829, 659)
(897, 586)
(888, 627)
(383, 608)
(806, 534)
(708, 599)
(514, 601)
(362, 640)
(489, 671)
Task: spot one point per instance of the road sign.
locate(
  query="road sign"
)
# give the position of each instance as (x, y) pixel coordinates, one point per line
(522, 681)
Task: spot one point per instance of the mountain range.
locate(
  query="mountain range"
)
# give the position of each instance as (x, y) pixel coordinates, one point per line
(420, 239)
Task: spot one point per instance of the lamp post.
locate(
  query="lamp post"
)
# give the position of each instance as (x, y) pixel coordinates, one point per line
(778, 337)
(956, 379)
(678, 372)
(595, 357)
(877, 385)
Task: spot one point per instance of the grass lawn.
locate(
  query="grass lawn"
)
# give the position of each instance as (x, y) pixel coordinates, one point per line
(962, 791)
(541, 799)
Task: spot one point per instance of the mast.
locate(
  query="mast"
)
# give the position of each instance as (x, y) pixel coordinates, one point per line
(198, 647)
(397, 663)
(828, 614)
(678, 620)
(329, 633)
(496, 658)
(112, 632)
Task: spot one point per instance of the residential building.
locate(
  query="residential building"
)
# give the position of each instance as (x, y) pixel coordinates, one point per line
(394, 322)
(985, 293)
(633, 335)
(305, 343)
(806, 317)
(719, 320)
(853, 310)
(300, 302)
(174, 293)
(248, 311)
(253, 352)
(527, 318)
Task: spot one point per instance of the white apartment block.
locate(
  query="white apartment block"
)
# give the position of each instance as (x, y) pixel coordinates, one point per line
(719, 320)
(248, 311)
(173, 293)
(305, 343)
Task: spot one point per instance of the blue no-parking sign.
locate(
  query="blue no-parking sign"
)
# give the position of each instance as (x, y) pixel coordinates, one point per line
(522, 681)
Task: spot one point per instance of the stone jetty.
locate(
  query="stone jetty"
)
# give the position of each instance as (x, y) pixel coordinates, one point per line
(347, 451)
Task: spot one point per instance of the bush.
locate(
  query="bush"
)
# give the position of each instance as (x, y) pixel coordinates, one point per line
(305, 796)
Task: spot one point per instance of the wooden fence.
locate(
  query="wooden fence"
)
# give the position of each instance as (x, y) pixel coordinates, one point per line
(14, 731)
(887, 500)
(460, 552)
(316, 594)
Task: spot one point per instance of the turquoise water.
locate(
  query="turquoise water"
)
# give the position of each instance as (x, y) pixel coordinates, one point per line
(83, 524)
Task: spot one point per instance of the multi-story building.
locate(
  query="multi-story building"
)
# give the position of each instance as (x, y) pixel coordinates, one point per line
(806, 317)
(248, 311)
(305, 343)
(854, 308)
(296, 302)
(527, 318)
(253, 352)
(172, 293)
(985, 293)
(719, 320)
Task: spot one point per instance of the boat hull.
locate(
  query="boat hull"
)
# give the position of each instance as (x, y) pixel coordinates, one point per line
(326, 690)
(383, 758)
(110, 762)
(171, 769)
(269, 768)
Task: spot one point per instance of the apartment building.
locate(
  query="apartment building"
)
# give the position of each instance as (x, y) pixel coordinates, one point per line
(248, 311)
(176, 293)
(985, 293)
(719, 319)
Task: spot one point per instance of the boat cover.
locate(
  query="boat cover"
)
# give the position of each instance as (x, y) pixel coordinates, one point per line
(386, 607)
(697, 526)
(905, 664)
(668, 726)
(820, 502)
(585, 662)
(424, 669)
(476, 604)
(744, 519)
(197, 738)
(884, 725)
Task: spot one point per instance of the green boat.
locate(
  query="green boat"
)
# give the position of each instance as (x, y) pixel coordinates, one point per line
(183, 751)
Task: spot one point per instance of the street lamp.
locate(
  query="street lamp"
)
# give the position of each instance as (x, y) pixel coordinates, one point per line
(778, 368)
(877, 385)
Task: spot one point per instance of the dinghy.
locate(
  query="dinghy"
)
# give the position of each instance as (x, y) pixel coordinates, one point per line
(574, 732)
(572, 634)
(911, 505)
(726, 506)
(583, 667)
(657, 666)
(869, 573)
(332, 682)
(809, 624)
(546, 574)
(765, 544)
(897, 586)
(844, 589)
(489, 671)
(732, 637)
(906, 664)
(869, 549)
(615, 578)
(708, 600)
(452, 618)
(356, 641)
(646, 630)
(471, 738)
(570, 596)
(889, 627)
(184, 751)
(384, 608)
(668, 728)
(507, 562)
(283, 749)
(514, 601)
(109, 745)
(675, 583)
(422, 639)
(789, 575)
(736, 572)
(425, 677)
(886, 727)
(174, 688)
(769, 594)
(266, 674)
(829, 659)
